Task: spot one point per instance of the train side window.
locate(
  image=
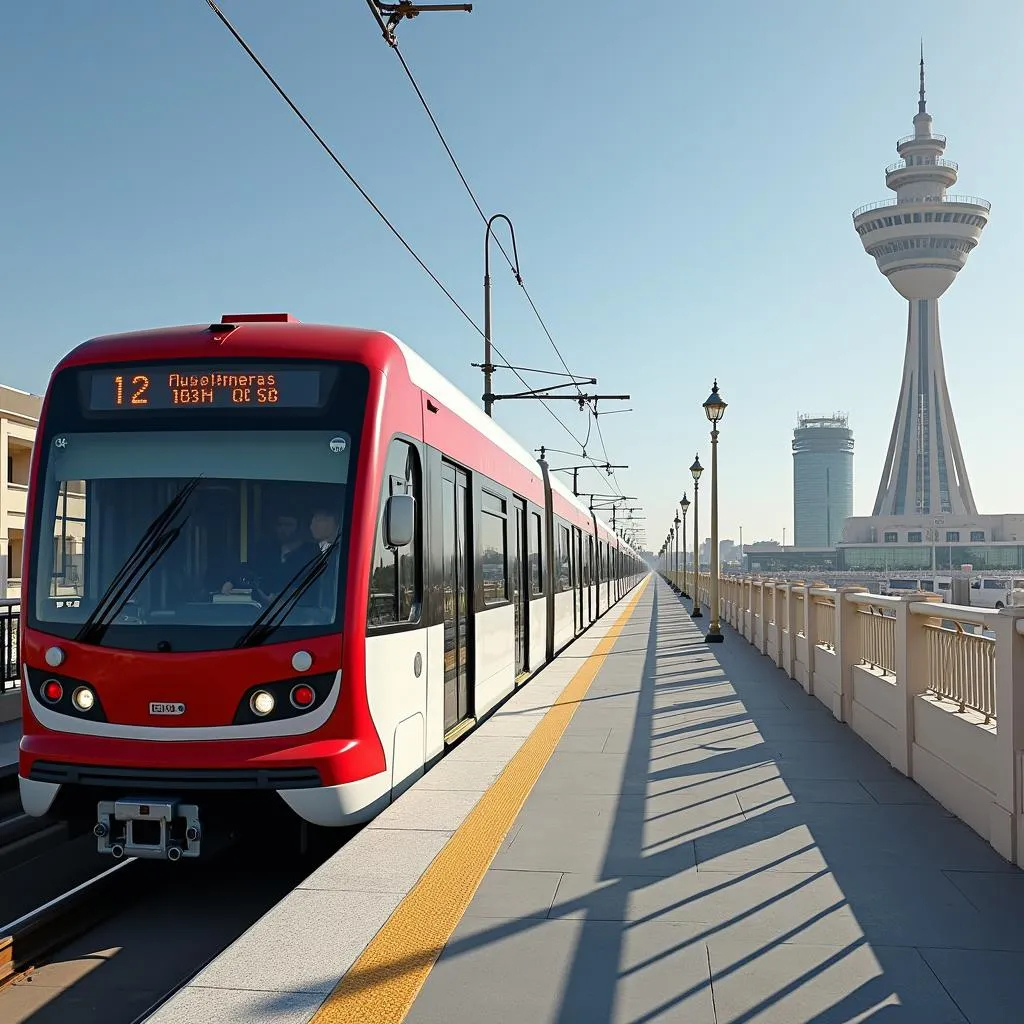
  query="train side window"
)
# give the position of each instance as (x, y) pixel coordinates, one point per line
(563, 580)
(574, 559)
(396, 578)
(536, 560)
(494, 548)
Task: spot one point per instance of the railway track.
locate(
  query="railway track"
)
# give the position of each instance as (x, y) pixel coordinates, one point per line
(114, 948)
(32, 936)
(39, 859)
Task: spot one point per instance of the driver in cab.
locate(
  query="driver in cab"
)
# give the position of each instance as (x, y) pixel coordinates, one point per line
(271, 567)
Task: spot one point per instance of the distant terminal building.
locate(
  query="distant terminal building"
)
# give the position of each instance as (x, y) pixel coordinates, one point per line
(822, 480)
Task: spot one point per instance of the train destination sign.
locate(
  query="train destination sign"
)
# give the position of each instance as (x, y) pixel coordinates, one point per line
(211, 387)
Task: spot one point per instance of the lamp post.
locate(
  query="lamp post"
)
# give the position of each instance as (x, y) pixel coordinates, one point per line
(488, 366)
(684, 504)
(676, 532)
(695, 471)
(714, 408)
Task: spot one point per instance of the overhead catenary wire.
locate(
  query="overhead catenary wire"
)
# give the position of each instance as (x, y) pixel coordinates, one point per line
(393, 43)
(362, 191)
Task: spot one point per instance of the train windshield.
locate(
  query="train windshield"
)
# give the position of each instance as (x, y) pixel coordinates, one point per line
(192, 540)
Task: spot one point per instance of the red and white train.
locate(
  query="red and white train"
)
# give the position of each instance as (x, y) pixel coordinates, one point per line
(272, 557)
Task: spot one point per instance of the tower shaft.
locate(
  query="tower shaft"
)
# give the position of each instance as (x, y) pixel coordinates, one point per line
(924, 467)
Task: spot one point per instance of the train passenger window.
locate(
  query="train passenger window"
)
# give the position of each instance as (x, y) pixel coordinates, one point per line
(563, 577)
(396, 576)
(536, 562)
(494, 548)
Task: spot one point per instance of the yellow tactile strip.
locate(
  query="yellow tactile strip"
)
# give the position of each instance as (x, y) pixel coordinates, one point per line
(383, 982)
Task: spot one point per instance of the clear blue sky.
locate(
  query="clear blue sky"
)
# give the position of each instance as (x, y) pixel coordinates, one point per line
(680, 175)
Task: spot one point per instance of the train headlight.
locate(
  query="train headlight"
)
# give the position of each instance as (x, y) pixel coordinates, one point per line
(83, 698)
(262, 703)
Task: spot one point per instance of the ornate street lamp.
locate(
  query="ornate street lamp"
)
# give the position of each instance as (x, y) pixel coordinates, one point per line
(676, 533)
(684, 504)
(695, 471)
(714, 409)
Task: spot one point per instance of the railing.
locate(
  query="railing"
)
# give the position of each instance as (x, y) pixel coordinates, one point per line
(915, 138)
(932, 687)
(882, 203)
(824, 605)
(902, 165)
(877, 639)
(9, 647)
(961, 668)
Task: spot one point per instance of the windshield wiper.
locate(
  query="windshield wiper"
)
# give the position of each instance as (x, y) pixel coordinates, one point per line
(274, 615)
(153, 544)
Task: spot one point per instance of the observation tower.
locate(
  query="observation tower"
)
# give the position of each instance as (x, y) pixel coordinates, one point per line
(920, 240)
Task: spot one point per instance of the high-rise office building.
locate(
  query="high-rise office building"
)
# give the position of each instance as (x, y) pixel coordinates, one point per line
(822, 480)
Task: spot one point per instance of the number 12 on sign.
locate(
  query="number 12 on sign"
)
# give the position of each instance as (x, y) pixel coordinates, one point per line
(140, 382)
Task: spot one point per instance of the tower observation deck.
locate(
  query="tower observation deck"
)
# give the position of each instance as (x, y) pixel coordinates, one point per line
(920, 240)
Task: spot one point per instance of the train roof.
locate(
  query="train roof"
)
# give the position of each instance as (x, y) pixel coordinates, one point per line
(267, 333)
(424, 376)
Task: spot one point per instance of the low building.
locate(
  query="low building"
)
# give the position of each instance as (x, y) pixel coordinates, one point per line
(19, 418)
(905, 543)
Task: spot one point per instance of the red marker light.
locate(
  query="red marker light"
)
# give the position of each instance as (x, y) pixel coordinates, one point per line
(303, 695)
(52, 690)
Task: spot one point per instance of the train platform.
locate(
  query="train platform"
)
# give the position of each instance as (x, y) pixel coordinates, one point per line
(654, 829)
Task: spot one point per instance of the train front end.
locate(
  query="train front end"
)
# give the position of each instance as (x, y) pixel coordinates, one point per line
(191, 515)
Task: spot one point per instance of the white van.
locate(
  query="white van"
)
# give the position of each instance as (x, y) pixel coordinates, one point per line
(993, 593)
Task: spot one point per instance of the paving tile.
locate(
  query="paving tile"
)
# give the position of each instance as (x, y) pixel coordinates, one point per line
(898, 791)
(379, 860)
(992, 892)
(546, 806)
(742, 849)
(806, 906)
(481, 747)
(194, 1005)
(475, 776)
(305, 944)
(427, 810)
(783, 984)
(881, 840)
(584, 740)
(986, 984)
(512, 725)
(514, 894)
(589, 846)
(564, 971)
(802, 791)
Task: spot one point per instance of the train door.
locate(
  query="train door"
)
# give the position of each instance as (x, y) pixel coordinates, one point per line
(591, 579)
(577, 578)
(456, 560)
(520, 587)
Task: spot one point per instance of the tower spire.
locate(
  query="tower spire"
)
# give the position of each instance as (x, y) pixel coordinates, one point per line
(920, 103)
